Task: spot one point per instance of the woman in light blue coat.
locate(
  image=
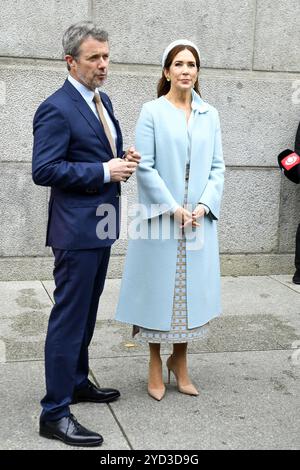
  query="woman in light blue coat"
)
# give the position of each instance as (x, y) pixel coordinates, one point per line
(171, 283)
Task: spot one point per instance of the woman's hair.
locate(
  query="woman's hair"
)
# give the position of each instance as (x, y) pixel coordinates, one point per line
(164, 86)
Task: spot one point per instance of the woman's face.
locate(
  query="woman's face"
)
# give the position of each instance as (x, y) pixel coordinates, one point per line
(183, 71)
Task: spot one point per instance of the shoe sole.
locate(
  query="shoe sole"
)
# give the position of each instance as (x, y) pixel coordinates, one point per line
(105, 400)
(54, 436)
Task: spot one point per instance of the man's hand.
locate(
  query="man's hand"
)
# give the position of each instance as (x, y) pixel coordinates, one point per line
(132, 155)
(120, 170)
(185, 218)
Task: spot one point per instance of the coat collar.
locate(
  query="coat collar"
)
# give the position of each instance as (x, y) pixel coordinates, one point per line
(198, 104)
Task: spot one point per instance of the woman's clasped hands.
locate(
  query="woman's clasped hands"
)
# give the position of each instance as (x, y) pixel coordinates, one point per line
(187, 218)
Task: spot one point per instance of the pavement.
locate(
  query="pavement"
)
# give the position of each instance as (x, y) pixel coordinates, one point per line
(247, 371)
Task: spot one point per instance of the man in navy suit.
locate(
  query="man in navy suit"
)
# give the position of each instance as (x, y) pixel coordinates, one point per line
(73, 153)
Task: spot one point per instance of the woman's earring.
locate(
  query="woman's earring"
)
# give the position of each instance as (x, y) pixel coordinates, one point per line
(168, 79)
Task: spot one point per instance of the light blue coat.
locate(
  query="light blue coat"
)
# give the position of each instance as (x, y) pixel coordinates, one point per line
(147, 288)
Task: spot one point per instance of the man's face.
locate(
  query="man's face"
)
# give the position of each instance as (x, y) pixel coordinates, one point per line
(91, 65)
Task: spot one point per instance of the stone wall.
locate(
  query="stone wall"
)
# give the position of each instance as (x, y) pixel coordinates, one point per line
(250, 70)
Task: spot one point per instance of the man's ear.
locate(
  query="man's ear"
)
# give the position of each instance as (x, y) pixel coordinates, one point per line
(70, 60)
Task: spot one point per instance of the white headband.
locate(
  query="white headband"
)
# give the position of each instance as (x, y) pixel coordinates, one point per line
(179, 42)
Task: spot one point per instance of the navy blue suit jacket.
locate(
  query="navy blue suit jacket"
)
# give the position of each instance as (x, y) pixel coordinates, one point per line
(69, 148)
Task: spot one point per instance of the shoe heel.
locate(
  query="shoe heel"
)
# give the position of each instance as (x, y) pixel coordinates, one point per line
(169, 370)
(47, 435)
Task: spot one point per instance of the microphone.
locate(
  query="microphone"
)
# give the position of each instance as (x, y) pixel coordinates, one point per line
(289, 162)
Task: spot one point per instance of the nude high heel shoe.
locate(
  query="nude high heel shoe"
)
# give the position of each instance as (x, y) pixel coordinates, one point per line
(188, 389)
(156, 393)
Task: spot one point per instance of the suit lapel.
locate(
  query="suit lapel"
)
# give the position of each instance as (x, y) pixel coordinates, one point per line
(88, 114)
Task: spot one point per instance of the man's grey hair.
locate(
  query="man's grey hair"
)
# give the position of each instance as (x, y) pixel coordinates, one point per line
(79, 32)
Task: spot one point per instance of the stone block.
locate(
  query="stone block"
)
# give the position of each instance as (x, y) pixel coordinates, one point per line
(277, 36)
(252, 264)
(257, 113)
(250, 211)
(289, 215)
(26, 267)
(144, 28)
(23, 215)
(27, 85)
(35, 29)
(41, 267)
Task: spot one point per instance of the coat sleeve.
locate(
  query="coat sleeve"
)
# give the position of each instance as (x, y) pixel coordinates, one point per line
(212, 194)
(50, 165)
(154, 195)
(297, 141)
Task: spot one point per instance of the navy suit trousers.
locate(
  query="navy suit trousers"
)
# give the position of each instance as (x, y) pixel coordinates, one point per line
(79, 278)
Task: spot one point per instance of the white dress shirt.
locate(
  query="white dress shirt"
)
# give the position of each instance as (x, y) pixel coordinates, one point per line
(88, 96)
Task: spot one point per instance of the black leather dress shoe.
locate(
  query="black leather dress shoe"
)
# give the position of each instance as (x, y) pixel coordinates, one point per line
(296, 277)
(96, 395)
(69, 431)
